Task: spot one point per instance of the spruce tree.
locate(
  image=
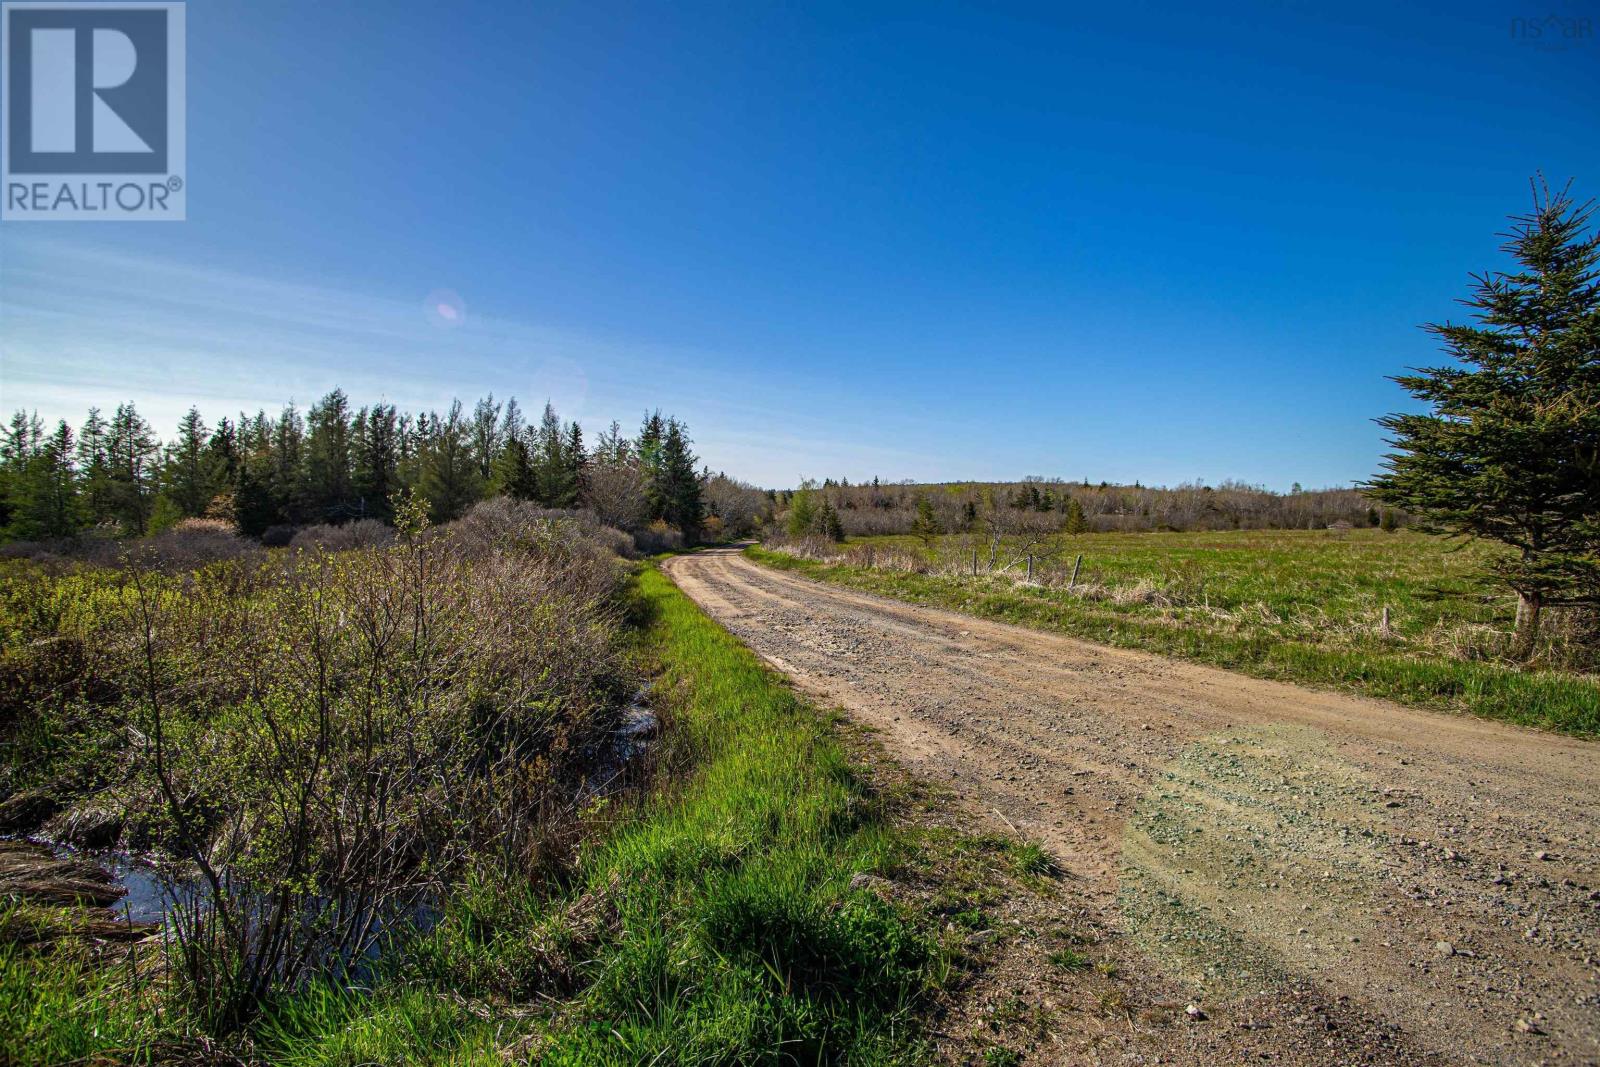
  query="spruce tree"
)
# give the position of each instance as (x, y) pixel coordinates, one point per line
(678, 484)
(450, 480)
(1075, 522)
(828, 523)
(189, 476)
(486, 439)
(45, 503)
(802, 510)
(576, 461)
(926, 524)
(1509, 449)
(255, 508)
(94, 469)
(513, 474)
(549, 460)
(132, 453)
(326, 489)
(648, 450)
(288, 451)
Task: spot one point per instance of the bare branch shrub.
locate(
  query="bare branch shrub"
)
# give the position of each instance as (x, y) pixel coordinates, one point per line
(328, 737)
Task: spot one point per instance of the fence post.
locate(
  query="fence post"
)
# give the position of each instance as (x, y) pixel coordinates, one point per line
(974, 563)
(1075, 567)
(1383, 627)
(1030, 566)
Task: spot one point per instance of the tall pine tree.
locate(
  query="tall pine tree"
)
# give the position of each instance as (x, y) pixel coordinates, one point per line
(1510, 448)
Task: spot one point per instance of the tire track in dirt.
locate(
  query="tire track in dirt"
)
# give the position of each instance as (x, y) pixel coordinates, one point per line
(1440, 872)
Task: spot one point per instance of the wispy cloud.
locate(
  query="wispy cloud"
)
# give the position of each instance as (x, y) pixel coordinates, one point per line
(82, 327)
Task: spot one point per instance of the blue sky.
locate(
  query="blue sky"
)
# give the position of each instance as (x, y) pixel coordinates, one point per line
(1119, 242)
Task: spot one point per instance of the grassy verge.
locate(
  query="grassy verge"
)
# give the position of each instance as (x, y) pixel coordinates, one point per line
(1549, 699)
(712, 920)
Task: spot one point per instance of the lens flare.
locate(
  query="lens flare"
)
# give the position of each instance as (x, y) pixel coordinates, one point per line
(445, 308)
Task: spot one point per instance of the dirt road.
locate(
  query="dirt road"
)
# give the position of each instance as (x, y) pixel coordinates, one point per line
(1439, 875)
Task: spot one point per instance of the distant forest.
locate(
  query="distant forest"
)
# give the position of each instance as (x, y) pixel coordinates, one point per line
(1073, 507)
(335, 464)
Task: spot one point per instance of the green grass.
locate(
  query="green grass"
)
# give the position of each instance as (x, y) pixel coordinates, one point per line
(59, 1001)
(1068, 960)
(1301, 606)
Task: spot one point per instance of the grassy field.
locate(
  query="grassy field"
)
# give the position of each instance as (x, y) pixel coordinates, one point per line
(1303, 606)
(709, 920)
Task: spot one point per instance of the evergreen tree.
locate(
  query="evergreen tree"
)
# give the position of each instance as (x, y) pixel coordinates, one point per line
(131, 452)
(1510, 450)
(926, 525)
(93, 469)
(326, 487)
(1075, 522)
(575, 463)
(223, 450)
(255, 506)
(649, 453)
(45, 502)
(288, 451)
(189, 476)
(828, 523)
(23, 438)
(17, 448)
(512, 424)
(449, 478)
(551, 470)
(678, 485)
(486, 435)
(802, 510)
(513, 473)
(376, 477)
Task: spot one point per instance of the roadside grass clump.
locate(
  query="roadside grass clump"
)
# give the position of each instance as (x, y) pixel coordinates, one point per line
(1396, 615)
(1031, 859)
(1067, 959)
(737, 938)
(1000, 1056)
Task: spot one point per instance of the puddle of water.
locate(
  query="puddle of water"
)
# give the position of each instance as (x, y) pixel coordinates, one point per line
(636, 731)
(149, 892)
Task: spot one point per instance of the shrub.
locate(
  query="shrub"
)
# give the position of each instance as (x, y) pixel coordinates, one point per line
(327, 737)
(658, 537)
(363, 533)
(277, 536)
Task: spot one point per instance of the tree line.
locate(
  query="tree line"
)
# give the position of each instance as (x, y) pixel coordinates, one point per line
(336, 463)
(838, 509)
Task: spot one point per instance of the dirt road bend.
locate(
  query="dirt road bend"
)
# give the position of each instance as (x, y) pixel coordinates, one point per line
(1439, 874)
